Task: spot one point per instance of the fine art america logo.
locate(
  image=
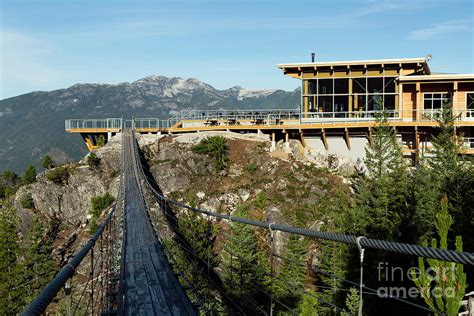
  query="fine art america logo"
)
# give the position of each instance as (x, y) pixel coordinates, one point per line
(387, 273)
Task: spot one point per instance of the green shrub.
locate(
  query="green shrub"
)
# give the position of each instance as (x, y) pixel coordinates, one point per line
(58, 175)
(251, 167)
(93, 160)
(93, 225)
(217, 148)
(100, 140)
(47, 162)
(99, 204)
(30, 175)
(26, 201)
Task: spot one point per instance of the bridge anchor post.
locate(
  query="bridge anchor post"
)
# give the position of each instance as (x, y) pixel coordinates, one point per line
(361, 284)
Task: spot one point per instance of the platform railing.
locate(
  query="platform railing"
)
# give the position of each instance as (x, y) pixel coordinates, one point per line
(423, 115)
(107, 123)
(263, 117)
(239, 114)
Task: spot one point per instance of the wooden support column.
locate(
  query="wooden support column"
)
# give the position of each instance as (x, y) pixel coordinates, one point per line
(399, 99)
(418, 105)
(347, 137)
(323, 137)
(305, 99)
(455, 99)
(350, 97)
(273, 146)
(303, 143)
(370, 135)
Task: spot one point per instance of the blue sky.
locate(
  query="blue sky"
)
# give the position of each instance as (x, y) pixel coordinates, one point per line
(48, 45)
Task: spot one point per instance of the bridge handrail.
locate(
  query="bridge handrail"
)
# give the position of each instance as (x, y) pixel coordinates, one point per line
(41, 302)
(403, 248)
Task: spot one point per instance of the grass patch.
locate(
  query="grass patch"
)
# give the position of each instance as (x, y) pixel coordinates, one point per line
(99, 204)
(58, 175)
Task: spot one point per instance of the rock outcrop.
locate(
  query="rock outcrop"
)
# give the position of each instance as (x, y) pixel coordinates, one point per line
(70, 201)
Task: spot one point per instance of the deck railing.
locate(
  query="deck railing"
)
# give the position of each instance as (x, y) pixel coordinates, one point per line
(262, 117)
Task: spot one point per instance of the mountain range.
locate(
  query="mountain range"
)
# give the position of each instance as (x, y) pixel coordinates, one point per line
(32, 124)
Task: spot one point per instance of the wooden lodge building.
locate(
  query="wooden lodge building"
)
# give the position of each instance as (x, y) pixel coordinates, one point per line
(339, 105)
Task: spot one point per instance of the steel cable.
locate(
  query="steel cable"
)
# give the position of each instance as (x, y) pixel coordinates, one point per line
(403, 248)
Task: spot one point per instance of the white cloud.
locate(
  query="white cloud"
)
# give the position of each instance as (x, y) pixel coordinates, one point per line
(441, 29)
(22, 63)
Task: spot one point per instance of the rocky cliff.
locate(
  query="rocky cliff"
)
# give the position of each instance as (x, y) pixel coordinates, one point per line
(67, 203)
(281, 186)
(293, 186)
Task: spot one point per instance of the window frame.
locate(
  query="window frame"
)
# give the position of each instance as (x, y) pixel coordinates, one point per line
(469, 112)
(432, 99)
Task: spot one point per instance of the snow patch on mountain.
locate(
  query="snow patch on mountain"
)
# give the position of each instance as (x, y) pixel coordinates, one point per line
(252, 93)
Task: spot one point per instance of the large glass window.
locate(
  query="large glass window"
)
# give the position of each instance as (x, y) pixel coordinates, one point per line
(325, 86)
(470, 104)
(341, 106)
(325, 103)
(312, 84)
(389, 104)
(470, 101)
(433, 101)
(389, 84)
(367, 94)
(359, 85)
(341, 86)
(375, 85)
(361, 102)
(375, 102)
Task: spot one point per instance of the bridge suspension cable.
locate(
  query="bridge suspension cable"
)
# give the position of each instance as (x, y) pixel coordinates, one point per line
(361, 242)
(104, 260)
(368, 243)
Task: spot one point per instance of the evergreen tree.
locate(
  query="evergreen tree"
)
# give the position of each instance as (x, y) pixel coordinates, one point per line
(309, 305)
(38, 267)
(30, 175)
(453, 174)
(334, 260)
(201, 236)
(334, 257)
(10, 296)
(352, 301)
(9, 178)
(445, 159)
(289, 288)
(240, 260)
(382, 192)
(443, 291)
(47, 162)
(217, 148)
(93, 160)
(424, 203)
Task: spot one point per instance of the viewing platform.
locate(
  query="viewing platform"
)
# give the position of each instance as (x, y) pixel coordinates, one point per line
(316, 129)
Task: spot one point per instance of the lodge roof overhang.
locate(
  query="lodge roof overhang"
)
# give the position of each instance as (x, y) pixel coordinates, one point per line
(296, 69)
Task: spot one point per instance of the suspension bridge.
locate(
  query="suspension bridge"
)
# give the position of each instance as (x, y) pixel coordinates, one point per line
(128, 267)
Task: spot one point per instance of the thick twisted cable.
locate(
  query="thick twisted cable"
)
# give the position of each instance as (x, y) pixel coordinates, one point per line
(41, 302)
(407, 249)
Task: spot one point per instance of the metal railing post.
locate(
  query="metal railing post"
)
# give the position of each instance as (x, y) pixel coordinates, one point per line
(361, 284)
